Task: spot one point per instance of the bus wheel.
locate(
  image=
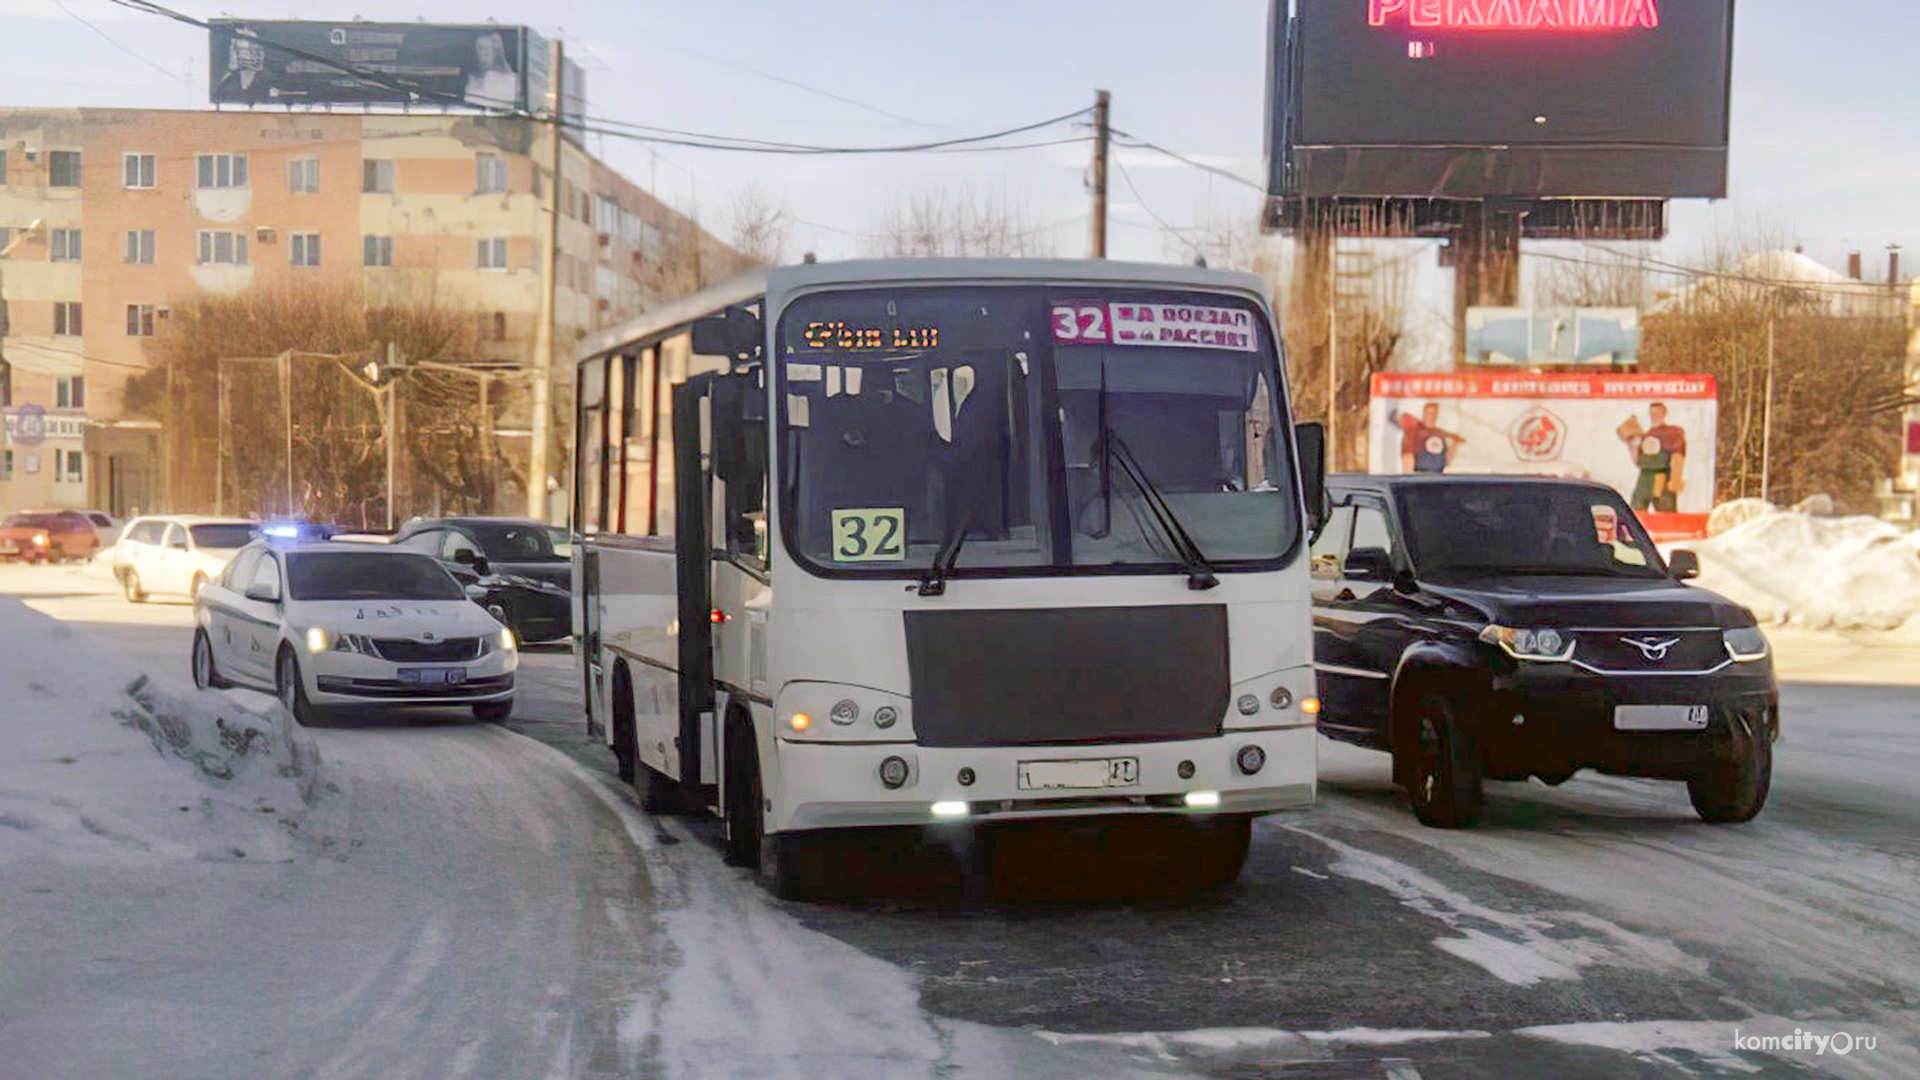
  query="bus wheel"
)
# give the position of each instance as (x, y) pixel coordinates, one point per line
(792, 864)
(742, 797)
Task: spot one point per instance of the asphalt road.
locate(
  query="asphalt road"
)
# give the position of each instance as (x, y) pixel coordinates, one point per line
(1593, 930)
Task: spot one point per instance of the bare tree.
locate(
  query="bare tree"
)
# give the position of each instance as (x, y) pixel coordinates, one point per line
(1593, 278)
(760, 227)
(938, 224)
(338, 465)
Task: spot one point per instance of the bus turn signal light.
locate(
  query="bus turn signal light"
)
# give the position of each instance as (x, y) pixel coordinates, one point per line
(1310, 706)
(800, 721)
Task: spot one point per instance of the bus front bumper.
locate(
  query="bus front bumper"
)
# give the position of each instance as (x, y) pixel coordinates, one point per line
(826, 785)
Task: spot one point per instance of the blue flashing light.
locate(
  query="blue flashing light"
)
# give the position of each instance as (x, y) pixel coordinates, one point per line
(281, 532)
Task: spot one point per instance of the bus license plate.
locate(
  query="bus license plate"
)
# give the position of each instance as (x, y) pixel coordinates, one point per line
(1080, 774)
(433, 676)
(1660, 717)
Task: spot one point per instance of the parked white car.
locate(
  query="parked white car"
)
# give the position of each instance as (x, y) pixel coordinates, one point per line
(176, 554)
(327, 625)
(105, 526)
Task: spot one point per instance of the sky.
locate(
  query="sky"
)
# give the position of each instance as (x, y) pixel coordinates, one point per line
(1822, 153)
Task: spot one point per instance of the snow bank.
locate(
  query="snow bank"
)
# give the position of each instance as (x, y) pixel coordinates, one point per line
(1822, 573)
(99, 763)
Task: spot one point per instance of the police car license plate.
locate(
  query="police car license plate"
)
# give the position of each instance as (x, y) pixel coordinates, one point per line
(1082, 774)
(433, 676)
(1660, 717)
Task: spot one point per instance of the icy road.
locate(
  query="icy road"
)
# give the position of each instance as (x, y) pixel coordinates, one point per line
(484, 901)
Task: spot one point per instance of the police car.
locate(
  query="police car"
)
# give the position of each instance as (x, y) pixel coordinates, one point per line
(327, 625)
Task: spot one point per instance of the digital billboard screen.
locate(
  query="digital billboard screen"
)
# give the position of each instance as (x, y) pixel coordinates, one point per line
(313, 63)
(1489, 98)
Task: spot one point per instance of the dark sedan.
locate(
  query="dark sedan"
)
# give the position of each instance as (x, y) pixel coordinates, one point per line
(510, 566)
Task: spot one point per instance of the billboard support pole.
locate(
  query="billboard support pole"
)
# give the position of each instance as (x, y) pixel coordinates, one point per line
(538, 457)
(1486, 267)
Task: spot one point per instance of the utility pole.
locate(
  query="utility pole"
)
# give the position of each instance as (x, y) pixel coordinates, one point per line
(1102, 144)
(539, 456)
(286, 402)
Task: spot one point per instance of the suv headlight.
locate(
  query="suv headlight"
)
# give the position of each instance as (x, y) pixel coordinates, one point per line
(1745, 643)
(1529, 643)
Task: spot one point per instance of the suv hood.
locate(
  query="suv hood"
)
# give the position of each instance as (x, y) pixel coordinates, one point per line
(1591, 602)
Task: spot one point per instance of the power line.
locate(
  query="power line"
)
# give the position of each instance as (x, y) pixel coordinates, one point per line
(109, 39)
(1142, 201)
(1135, 142)
(610, 127)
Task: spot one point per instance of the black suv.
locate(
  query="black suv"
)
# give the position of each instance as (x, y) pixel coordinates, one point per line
(516, 568)
(1509, 627)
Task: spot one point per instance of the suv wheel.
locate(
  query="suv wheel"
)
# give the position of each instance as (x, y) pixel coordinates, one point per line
(1734, 788)
(1443, 773)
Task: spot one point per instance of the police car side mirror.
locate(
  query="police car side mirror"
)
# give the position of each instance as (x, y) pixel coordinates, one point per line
(1684, 565)
(264, 592)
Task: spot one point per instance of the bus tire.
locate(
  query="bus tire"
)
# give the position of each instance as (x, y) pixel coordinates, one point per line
(626, 750)
(741, 795)
(791, 864)
(1222, 850)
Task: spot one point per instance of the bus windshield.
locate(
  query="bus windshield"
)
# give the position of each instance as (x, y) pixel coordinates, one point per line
(1031, 428)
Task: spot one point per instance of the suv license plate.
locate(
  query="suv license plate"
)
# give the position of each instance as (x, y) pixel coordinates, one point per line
(433, 676)
(1082, 774)
(1660, 717)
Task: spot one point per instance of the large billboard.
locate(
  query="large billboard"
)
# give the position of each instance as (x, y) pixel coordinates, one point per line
(396, 64)
(1651, 437)
(1473, 99)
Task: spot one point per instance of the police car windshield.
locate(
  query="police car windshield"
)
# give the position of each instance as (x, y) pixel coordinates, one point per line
(353, 575)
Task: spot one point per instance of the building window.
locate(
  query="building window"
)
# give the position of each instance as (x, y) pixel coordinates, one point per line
(493, 326)
(223, 170)
(376, 251)
(6, 384)
(140, 320)
(223, 248)
(70, 391)
(69, 466)
(66, 318)
(493, 253)
(140, 247)
(377, 177)
(66, 245)
(63, 168)
(303, 175)
(6, 464)
(137, 170)
(3, 167)
(305, 249)
(492, 174)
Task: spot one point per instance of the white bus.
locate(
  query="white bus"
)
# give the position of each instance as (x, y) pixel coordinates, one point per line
(907, 542)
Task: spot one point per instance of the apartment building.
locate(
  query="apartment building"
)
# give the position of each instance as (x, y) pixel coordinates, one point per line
(111, 217)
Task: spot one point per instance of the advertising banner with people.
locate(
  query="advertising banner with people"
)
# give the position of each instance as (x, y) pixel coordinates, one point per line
(1651, 437)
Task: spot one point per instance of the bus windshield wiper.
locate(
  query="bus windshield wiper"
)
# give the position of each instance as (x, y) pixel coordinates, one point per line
(1200, 573)
(934, 581)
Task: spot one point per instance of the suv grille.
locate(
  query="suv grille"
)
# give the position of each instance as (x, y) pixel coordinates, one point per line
(465, 648)
(1614, 650)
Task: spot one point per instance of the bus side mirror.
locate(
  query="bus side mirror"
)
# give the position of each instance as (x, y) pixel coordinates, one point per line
(739, 426)
(1310, 438)
(734, 334)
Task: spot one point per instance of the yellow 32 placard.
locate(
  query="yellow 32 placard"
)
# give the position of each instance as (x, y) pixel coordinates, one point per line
(870, 535)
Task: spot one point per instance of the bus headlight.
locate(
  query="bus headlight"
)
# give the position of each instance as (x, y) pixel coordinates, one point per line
(845, 712)
(894, 772)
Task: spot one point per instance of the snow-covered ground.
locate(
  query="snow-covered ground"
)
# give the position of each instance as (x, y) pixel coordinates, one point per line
(1853, 574)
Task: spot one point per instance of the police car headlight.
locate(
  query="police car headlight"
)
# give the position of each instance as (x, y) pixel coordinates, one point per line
(319, 640)
(1745, 643)
(1527, 643)
(507, 642)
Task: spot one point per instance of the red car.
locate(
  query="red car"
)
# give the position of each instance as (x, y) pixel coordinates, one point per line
(48, 536)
